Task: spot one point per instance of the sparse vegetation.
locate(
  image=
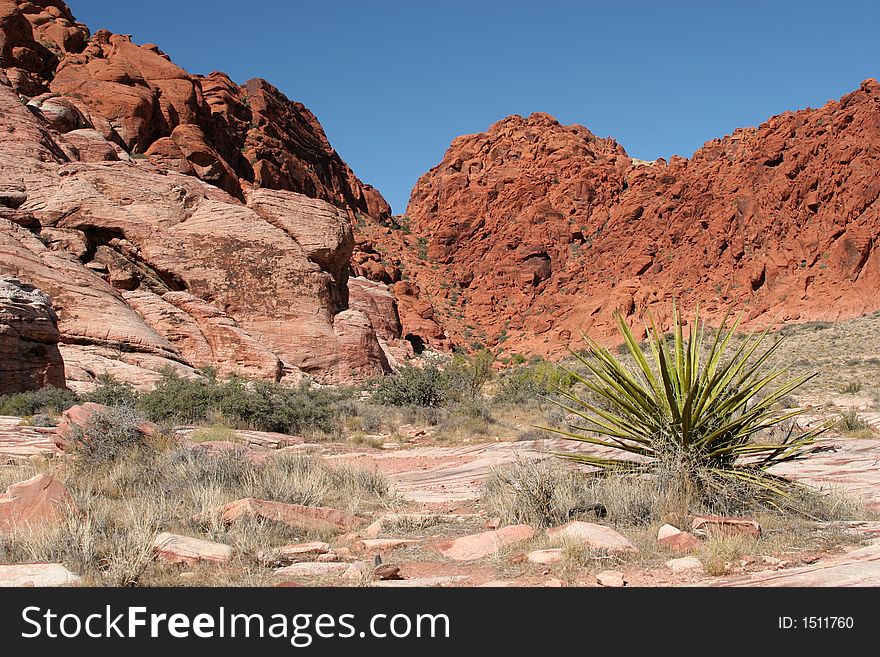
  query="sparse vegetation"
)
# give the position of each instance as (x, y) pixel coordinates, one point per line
(533, 382)
(425, 386)
(256, 405)
(46, 401)
(126, 500)
(107, 436)
(851, 387)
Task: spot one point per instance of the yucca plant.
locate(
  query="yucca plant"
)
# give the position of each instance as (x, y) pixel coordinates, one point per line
(689, 411)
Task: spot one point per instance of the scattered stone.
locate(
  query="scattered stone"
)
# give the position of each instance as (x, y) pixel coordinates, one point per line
(36, 574)
(477, 546)
(443, 580)
(597, 537)
(684, 564)
(498, 583)
(370, 545)
(327, 558)
(358, 572)
(175, 548)
(373, 529)
(393, 520)
(292, 515)
(675, 539)
(611, 579)
(551, 555)
(348, 538)
(281, 556)
(40, 500)
(860, 567)
(705, 525)
(311, 569)
(387, 571)
(554, 583)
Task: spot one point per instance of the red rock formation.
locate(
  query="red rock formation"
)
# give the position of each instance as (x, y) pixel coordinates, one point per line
(135, 96)
(29, 356)
(535, 230)
(147, 266)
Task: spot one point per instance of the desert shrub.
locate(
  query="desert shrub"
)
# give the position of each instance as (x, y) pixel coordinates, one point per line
(463, 421)
(850, 387)
(532, 434)
(271, 407)
(424, 386)
(357, 415)
(851, 422)
(533, 382)
(107, 435)
(47, 401)
(181, 400)
(466, 375)
(259, 405)
(688, 417)
(111, 392)
(539, 493)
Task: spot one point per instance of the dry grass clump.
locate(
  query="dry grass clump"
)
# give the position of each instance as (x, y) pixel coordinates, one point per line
(545, 493)
(540, 493)
(107, 544)
(133, 489)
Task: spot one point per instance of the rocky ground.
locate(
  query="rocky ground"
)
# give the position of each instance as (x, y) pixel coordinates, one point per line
(434, 530)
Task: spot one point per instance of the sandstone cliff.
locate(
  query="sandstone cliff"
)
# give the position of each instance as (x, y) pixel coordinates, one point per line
(533, 231)
(175, 220)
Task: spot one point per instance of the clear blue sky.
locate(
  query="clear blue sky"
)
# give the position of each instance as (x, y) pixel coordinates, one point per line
(393, 82)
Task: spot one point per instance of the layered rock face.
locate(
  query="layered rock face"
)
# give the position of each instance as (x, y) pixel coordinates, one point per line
(29, 355)
(136, 98)
(175, 221)
(546, 229)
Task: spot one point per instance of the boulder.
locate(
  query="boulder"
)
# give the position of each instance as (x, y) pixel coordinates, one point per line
(379, 545)
(177, 549)
(706, 525)
(552, 555)
(592, 535)
(611, 579)
(312, 569)
(684, 564)
(675, 539)
(36, 574)
(39, 501)
(477, 546)
(293, 515)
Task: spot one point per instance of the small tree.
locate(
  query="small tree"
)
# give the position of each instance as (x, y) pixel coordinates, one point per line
(468, 374)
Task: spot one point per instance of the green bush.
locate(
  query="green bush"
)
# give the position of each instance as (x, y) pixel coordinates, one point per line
(533, 382)
(424, 386)
(46, 401)
(466, 375)
(111, 392)
(107, 435)
(258, 405)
